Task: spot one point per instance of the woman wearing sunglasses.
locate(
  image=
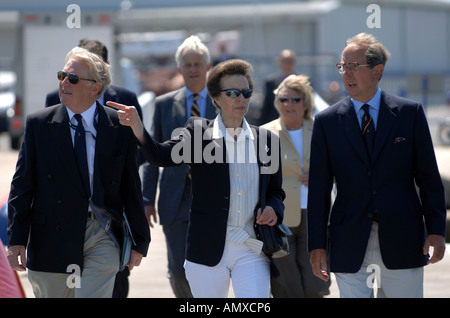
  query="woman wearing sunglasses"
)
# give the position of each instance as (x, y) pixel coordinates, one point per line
(294, 102)
(221, 241)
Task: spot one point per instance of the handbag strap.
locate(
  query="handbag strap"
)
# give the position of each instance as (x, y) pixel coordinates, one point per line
(262, 195)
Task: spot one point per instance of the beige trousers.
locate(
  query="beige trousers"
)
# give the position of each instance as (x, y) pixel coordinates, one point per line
(101, 263)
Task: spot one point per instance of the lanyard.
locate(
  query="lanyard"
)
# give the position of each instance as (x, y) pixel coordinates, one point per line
(74, 127)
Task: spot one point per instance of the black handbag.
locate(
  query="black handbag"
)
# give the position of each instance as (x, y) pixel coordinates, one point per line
(275, 238)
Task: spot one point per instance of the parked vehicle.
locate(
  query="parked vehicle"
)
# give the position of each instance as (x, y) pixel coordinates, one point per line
(444, 131)
(11, 120)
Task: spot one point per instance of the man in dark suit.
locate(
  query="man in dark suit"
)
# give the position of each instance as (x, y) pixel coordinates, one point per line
(380, 225)
(115, 94)
(286, 62)
(76, 174)
(171, 112)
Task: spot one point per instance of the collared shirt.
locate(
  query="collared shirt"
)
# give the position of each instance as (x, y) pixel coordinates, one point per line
(91, 132)
(244, 184)
(201, 101)
(374, 108)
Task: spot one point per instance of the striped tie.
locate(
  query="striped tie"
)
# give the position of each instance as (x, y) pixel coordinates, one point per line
(195, 111)
(368, 129)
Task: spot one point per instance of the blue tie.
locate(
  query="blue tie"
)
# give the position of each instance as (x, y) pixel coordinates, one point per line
(368, 130)
(80, 151)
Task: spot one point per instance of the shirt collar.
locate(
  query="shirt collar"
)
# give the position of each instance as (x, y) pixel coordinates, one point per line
(88, 115)
(202, 93)
(220, 131)
(374, 102)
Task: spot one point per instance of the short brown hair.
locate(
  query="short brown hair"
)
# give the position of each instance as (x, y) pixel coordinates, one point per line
(230, 67)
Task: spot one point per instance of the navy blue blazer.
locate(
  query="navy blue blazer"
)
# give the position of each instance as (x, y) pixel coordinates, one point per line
(403, 158)
(47, 202)
(211, 186)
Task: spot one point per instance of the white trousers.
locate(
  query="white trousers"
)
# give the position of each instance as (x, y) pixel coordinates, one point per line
(101, 263)
(373, 275)
(249, 274)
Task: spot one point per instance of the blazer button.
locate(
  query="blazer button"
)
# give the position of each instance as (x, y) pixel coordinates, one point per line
(49, 176)
(58, 228)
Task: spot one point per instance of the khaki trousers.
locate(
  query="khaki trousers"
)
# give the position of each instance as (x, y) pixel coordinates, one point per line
(101, 263)
(374, 279)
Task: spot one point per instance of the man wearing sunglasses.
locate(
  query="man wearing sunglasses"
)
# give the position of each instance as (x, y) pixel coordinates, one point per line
(77, 173)
(390, 203)
(112, 93)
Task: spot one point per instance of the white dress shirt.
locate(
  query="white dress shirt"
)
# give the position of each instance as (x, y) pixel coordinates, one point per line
(89, 118)
(244, 184)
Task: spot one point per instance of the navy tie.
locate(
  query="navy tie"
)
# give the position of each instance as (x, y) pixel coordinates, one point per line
(80, 151)
(368, 130)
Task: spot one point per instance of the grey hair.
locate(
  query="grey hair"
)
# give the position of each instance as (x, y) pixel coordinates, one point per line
(376, 52)
(192, 43)
(98, 69)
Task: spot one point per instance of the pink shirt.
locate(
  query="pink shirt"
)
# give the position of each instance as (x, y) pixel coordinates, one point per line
(10, 286)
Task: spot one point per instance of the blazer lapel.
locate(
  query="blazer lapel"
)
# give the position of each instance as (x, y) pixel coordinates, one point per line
(288, 147)
(179, 113)
(210, 108)
(352, 130)
(307, 134)
(107, 134)
(386, 120)
(263, 177)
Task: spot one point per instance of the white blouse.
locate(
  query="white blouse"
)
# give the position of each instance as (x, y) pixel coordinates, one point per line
(244, 184)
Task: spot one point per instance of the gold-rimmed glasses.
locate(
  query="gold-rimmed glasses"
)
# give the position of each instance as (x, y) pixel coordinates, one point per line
(353, 67)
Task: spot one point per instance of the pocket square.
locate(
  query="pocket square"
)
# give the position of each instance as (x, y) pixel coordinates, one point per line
(399, 139)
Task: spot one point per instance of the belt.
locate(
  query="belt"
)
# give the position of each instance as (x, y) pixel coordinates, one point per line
(90, 215)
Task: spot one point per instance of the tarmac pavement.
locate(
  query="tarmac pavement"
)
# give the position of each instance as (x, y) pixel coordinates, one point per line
(149, 279)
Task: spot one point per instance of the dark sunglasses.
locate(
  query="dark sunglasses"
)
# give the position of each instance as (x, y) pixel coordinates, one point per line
(235, 93)
(73, 79)
(294, 99)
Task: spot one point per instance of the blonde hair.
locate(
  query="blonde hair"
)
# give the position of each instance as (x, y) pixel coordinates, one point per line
(301, 84)
(98, 69)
